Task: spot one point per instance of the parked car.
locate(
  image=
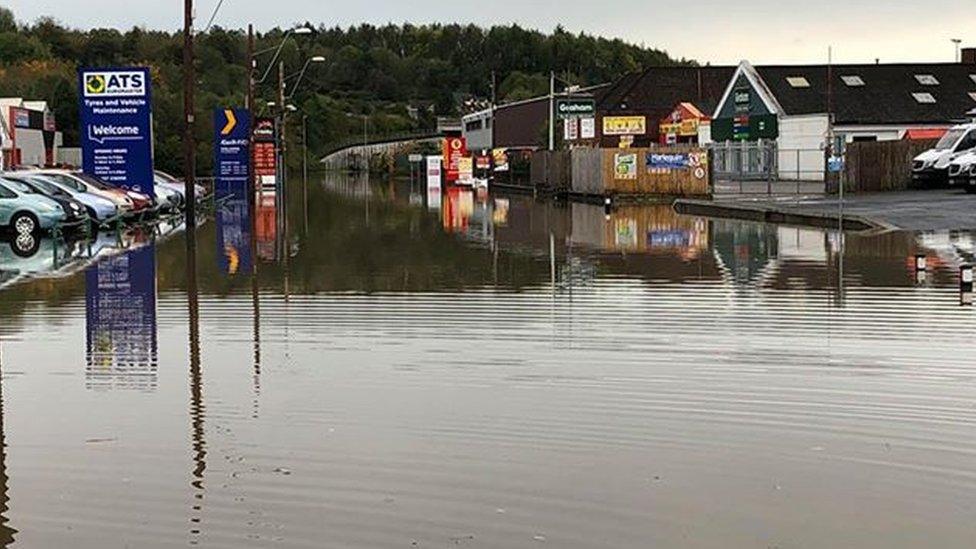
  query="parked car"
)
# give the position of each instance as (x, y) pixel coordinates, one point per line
(932, 166)
(123, 201)
(167, 197)
(98, 208)
(27, 211)
(971, 182)
(75, 212)
(175, 183)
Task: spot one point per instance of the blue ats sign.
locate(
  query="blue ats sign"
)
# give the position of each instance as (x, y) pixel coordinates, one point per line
(232, 134)
(116, 126)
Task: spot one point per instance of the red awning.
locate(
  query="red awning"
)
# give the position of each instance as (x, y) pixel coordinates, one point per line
(925, 133)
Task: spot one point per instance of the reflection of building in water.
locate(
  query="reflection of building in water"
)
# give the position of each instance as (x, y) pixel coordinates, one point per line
(233, 218)
(120, 297)
(654, 229)
(744, 248)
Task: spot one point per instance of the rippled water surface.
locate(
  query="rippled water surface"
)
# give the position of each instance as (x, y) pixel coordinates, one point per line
(383, 370)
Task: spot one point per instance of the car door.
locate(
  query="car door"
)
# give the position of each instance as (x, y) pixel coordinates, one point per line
(8, 201)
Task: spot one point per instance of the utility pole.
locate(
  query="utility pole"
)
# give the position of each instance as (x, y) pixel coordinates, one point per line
(552, 101)
(251, 111)
(189, 145)
(494, 103)
(305, 168)
(284, 113)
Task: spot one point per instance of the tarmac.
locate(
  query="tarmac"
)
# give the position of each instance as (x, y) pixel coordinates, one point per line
(917, 210)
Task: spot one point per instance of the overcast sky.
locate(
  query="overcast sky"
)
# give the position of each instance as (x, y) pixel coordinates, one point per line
(717, 31)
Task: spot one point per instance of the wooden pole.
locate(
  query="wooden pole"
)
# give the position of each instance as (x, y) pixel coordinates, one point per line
(189, 144)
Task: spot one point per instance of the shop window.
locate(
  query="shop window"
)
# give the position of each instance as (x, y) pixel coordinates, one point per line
(925, 98)
(853, 80)
(864, 138)
(798, 81)
(927, 79)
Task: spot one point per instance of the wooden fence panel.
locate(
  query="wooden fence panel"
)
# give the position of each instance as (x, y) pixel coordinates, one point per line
(881, 166)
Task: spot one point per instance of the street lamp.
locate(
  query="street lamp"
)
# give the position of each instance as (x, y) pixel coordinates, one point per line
(301, 73)
(301, 31)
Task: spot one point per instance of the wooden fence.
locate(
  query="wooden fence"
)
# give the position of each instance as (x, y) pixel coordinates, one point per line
(880, 166)
(658, 171)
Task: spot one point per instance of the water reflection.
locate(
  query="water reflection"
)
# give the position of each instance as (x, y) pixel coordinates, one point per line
(120, 306)
(489, 368)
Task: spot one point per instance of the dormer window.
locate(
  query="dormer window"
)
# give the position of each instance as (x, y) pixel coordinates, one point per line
(798, 81)
(924, 98)
(853, 80)
(927, 79)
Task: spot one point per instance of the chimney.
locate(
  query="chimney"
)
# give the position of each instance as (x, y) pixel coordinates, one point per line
(968, 56)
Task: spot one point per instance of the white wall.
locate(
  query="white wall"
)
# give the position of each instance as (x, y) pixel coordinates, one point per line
(481, 138)
(801, 147)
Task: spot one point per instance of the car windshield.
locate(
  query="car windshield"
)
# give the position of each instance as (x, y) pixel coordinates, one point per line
(163, 176)
(66, 181)
(94, 182)
(19, 186)
(46, 186)
(949, 139)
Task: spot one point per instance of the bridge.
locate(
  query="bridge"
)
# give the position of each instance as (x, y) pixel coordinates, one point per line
(356, 155)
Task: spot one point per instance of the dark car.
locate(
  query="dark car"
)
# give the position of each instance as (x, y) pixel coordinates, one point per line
(75, 212)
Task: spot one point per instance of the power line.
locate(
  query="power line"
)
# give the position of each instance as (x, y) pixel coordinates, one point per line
(213, 16)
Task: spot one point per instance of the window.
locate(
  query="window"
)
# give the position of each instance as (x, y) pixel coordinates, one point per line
(972, 77)
(472, 125)
(973, 95)
(927, 79)
(6, 193)
(798, 81)
(968, 142)
(924, 97)
(853, 80)
(864, 138)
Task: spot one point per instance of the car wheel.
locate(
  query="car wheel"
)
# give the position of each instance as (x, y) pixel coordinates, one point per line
(25, 245)
(24, 223)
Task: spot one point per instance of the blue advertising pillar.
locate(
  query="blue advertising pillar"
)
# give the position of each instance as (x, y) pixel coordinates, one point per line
(115, 107)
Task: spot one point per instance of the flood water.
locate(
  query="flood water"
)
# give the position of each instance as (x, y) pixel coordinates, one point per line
(380, 370)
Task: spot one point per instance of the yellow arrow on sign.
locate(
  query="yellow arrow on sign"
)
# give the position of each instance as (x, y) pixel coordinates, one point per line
(231, 122)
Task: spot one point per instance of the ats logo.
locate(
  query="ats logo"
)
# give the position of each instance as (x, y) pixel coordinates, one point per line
(114, 84)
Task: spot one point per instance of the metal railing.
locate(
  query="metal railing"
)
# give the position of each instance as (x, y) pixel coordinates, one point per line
(761, 167)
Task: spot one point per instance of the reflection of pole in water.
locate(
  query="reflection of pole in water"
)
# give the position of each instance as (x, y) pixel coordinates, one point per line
(199, 453)
(256, 306)
(6, 532)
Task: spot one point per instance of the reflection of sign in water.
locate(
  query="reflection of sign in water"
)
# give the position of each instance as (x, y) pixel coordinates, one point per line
(458, 209)
(120, 299)
(625, 166)
(233, 231)
(625, 233)
(670, 239)
(116, 126)
(266, 228)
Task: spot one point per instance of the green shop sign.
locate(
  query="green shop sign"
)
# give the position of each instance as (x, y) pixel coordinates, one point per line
(745, 128)
(575, 107)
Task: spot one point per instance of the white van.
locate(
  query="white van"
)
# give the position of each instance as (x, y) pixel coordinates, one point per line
(932, 166)
(960, 169)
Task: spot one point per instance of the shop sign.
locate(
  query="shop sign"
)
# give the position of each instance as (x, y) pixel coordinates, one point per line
(625, 166)
(115, 107)
(570, 129)
(587, 128)
(455, 148)
(667, 161)
(265, 152)
(500, 158)
(624, 125)
(574, 107)
(465, 166)
(482, 162)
